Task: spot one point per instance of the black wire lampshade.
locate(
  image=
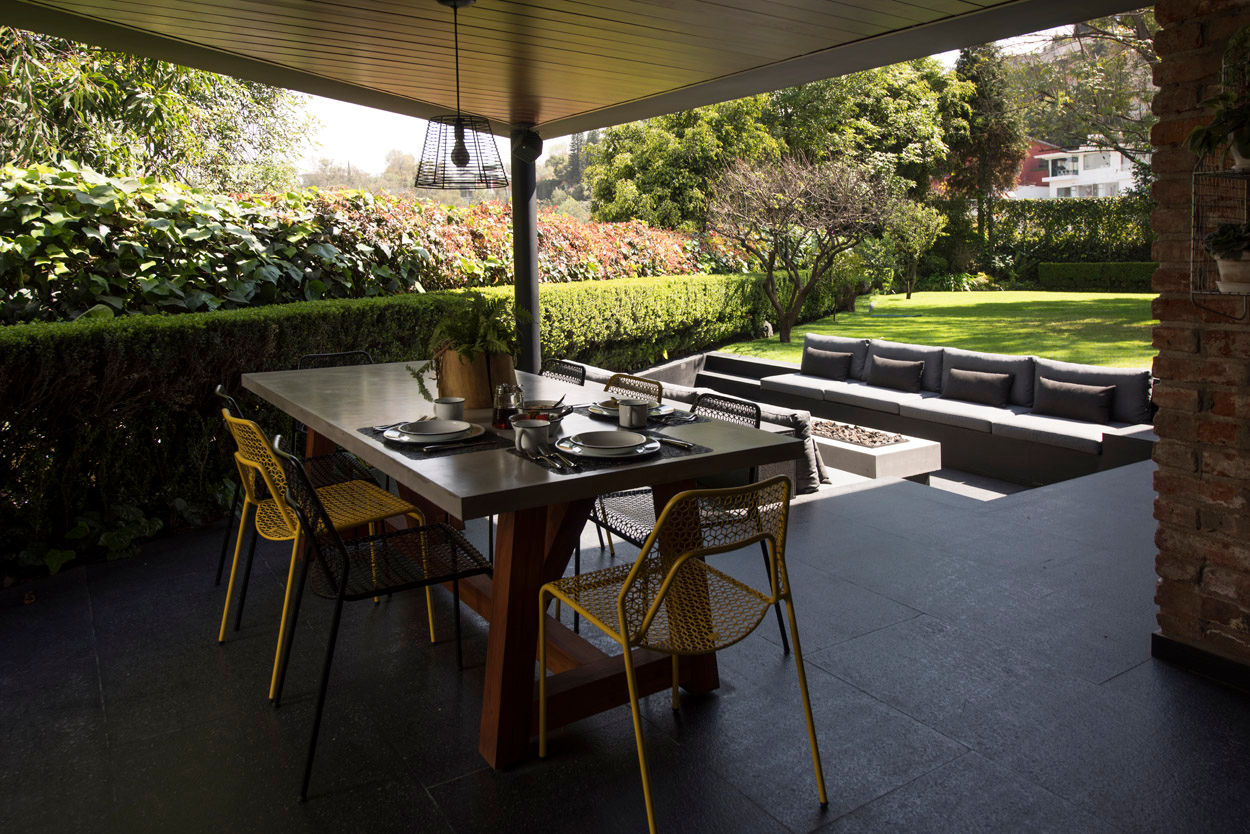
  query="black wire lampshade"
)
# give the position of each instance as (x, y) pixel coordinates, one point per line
(460, 152)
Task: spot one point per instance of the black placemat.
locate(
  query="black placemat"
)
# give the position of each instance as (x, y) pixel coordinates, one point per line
(666, 452)
(652, 422)
(412, 451)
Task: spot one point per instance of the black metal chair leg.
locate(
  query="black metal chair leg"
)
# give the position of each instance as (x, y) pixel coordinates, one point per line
(577, 570)
(247, 574)
(225, 542)
(490, 539)
(599, 533)
(781, 623)
(290, 631)
(455, 601)
(321, 699)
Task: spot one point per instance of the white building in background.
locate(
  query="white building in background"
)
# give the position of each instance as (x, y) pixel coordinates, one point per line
(1084, 172)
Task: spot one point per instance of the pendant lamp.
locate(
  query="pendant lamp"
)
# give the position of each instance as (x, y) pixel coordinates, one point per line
(459, 150)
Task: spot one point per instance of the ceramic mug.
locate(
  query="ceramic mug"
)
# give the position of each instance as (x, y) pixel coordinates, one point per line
(449, 408)
(530, 435)
(632, 412)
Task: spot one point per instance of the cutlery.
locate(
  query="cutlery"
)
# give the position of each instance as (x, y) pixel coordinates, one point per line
(536, 458)
(440, 447)
(671, 441)
(573, 467)
(390, 426)
(679, 417)
(551, 459)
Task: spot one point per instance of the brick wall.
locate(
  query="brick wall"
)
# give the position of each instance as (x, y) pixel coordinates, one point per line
(1203, 366)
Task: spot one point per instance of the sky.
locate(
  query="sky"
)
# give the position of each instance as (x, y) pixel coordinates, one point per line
(362, 136)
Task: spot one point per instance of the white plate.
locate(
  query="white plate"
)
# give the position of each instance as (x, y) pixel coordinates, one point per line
(609, 439)
(398, 436)
(566, 445)
(661, 410)
(434, 431)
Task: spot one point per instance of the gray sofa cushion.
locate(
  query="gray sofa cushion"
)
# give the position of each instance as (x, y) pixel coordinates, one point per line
(931, 356)
(866, 396)
(1053, 431)
(810, 468)
(1020, 368)
(985, 387)
(1131, 403)
(831, 364)
(895, 373)
(857, 348)
(800, 385)
(1091, 403)
(965, 415)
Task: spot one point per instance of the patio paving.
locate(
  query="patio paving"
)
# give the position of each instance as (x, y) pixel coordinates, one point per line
(974, 665)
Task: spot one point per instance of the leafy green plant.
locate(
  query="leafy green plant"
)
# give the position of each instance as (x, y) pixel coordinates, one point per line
(1229, 240)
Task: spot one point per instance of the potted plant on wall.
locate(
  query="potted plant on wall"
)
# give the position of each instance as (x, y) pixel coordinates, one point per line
(1229, 244)
(1230, 122)
(471, 352)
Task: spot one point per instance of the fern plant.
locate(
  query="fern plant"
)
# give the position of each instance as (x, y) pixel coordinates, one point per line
(484, 326)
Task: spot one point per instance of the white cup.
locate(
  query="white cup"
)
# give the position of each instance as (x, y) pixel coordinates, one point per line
(449, 408)
(530, 435)
(632, 412)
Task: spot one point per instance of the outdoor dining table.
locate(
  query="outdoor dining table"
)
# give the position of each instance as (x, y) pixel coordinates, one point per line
(541, 515)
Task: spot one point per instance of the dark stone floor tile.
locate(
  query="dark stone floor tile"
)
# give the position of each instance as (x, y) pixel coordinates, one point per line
(973, 796)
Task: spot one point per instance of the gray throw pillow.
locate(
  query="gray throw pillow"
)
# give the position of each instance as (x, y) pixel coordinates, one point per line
(1090, 403)
(830, 364)
(895, 373)
(977, 387)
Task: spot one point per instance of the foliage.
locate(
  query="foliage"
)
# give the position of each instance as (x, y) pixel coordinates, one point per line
(1097, 277)
(1092, 85)
(1094, 328)
(912, 231)
(1070, 231)
(125, 115)
(796, 218)
(955, 282)
(662, 170)
(985, 161)
(1230, 123)
(73, 241)
(900, 117)
(111, 432)
(1229, 240)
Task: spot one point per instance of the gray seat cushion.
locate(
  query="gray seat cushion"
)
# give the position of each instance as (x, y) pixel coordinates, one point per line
(1020, 368)
(1053, 431)
(1131, 403)
(965, 415)
(857, 348)
(800, 385)
(930, 380)
(864, 395)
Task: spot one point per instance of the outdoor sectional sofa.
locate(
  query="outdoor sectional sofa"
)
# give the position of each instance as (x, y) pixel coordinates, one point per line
(1019, 418)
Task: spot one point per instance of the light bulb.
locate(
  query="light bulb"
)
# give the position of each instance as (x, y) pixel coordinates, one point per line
(459, 153)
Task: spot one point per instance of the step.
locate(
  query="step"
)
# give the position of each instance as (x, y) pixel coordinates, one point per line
(746, 367)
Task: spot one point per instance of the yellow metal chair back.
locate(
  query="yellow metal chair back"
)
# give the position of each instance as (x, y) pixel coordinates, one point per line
(256, 460)
(672, 602)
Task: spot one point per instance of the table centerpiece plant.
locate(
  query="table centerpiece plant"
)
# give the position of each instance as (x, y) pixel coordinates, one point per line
(471, 352)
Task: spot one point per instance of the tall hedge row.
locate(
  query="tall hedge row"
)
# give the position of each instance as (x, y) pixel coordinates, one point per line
(111, 432)
(1074, 230)
(73, 242)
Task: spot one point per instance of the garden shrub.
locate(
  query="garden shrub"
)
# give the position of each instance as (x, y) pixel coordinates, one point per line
(1134, 276)
(112, 431)
(73, 241)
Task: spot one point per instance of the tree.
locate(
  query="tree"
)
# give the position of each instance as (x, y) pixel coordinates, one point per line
(985, 161)
(664, 169)
(797, 218)
(123, 115)
(1092, 85)
(913, 230)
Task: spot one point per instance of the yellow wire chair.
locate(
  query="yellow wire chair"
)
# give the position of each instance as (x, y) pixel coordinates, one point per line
(672, 601)
(346, 489)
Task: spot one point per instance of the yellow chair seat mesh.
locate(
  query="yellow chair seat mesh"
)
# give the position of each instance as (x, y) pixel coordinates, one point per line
(271, 523)
(705, 609)
(353, 503)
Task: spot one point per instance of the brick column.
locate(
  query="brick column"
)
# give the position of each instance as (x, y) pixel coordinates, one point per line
(1203, 367)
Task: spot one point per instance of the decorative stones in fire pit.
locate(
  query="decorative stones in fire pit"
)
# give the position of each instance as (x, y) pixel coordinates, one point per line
(860, 436)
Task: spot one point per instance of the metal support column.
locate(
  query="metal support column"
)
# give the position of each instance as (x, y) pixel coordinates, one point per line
(526, 148)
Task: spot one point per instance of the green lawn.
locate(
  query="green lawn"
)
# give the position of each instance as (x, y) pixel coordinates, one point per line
(1096, 328)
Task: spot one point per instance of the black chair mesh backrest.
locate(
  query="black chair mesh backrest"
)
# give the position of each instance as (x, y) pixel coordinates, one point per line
(565, 371)
(334, 360)
(324, 543)
(635, 386)
(227, 402)
(727, 409)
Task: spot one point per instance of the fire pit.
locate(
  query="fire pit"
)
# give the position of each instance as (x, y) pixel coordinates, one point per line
(858, 435)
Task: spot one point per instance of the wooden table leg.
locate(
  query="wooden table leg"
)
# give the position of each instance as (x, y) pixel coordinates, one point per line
(532, 547)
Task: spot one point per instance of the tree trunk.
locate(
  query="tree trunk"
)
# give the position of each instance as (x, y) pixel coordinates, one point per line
(911, 277)
(784, 325)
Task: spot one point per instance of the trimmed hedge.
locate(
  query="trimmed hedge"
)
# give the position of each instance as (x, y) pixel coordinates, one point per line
(1073, 231)
(1133, 276)
(112, 433)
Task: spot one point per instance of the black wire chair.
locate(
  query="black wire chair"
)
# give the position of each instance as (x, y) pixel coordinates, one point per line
(229, 404)
(635, 386)
(363, 568)
(630, 514)
(565, 371)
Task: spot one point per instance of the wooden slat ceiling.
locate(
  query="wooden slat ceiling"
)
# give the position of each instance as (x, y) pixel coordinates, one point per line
(560, 65)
